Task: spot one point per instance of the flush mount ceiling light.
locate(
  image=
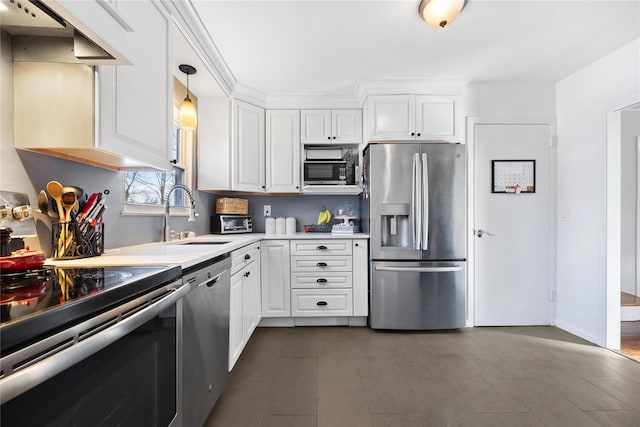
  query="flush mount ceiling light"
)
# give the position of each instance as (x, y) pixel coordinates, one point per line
(440, 13)
(188, 115)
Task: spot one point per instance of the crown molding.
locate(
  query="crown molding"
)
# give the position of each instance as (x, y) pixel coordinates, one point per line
(311, 101)
(248, 94)
(190, 24)
(371, 86)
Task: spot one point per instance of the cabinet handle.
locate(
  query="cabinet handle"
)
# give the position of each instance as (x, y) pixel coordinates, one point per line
(413, 134)
(247, 274)
(247, 256)
(418, 133)
(334, 137)
(264, 186)
(321, 264)
(321, 303)
(174, 161)
(297, 187)
(356, 244)
(321, 280)
(321, 248)
(328, 137)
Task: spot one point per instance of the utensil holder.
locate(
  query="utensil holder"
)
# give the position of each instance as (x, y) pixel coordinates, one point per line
(69, 241)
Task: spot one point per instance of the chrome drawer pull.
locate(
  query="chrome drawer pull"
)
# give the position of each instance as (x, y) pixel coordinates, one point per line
(321, 303)
(321, 264)
(322, 280)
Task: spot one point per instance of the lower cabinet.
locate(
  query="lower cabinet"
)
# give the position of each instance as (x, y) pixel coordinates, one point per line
(315, 278)
(245, 306)
(276, 280)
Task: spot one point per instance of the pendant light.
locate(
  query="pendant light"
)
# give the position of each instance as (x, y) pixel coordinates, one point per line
(188, 115)
(440, 13)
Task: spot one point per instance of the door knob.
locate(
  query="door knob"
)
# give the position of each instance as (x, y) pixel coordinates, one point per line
(481, 233)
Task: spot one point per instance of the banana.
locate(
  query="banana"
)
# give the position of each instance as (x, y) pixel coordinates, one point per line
(324, 217)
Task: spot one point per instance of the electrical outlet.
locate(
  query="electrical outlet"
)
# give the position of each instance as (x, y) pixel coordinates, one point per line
(267, 210)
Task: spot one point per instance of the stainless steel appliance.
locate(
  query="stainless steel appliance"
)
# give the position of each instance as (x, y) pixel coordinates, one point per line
(205, 338)
(414, 209)
(229, 224)
(91, 346)
(324, 166)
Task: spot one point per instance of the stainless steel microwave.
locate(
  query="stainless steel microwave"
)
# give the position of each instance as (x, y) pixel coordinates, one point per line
(325, 173)
(228, 224)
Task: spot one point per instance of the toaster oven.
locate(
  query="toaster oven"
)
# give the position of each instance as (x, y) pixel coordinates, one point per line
(228, 224)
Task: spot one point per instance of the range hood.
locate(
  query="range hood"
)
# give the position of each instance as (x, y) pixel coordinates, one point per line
(39, 31)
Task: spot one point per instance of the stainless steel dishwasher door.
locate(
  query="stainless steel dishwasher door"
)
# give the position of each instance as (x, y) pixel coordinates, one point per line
(205, 340)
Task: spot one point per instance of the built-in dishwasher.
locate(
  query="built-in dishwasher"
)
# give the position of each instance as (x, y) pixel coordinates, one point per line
(205, 338)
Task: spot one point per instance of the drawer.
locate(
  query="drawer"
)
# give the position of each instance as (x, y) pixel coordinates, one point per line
(321, 247)
(244, 256)
(320, 264)
(323, 302)
(329, 279)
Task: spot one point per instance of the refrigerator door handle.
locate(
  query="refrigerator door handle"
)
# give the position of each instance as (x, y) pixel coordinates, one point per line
(425, 203)
(416, 202)
(420, 269)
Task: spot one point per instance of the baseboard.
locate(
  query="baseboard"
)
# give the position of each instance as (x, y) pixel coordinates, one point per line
(288, 322)
(580, 332)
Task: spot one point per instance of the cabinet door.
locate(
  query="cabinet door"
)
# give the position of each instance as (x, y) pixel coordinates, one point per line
(276, 281)
(360, 277)
(316, 126)
(247, 130)
(283, 151)
(136, 100)
(436, 118)
(236, 327)
(250, 296)
(346, 126)
(391, 117)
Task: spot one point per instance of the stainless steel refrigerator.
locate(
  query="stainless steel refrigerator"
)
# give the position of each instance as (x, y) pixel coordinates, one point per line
(414, 208)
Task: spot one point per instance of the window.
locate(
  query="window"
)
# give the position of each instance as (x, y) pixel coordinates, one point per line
(144, 190)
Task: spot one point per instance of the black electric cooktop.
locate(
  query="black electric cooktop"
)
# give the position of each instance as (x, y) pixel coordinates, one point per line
(40, 302)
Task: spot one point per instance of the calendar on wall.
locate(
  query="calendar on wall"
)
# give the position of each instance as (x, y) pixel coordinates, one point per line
(513, 176)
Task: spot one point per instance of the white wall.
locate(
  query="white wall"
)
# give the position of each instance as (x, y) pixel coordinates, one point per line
(581, 106)
(528, 101)
(630, 131)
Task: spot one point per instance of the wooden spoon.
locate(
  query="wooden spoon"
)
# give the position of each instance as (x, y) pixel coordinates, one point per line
(55, 191)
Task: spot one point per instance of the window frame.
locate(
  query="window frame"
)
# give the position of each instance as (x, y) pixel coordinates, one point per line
(186, 163)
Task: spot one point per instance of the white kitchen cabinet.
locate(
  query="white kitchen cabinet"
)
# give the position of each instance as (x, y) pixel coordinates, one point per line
(283, 151)
(414, 118)
(331, 126)
(360, 253)
(276, 278)
(245, 307)
(248, 151)
(136, 101)
(236, 329)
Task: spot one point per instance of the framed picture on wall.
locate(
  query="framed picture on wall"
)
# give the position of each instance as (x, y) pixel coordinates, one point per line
(513, 176)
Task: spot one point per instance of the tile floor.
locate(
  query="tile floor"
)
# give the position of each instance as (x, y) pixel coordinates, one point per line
(518, 376)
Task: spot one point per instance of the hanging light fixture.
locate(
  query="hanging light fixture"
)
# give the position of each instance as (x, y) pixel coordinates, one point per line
(440, 13)
(188, 115)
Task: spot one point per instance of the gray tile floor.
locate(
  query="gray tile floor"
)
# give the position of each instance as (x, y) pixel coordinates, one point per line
(519, 376)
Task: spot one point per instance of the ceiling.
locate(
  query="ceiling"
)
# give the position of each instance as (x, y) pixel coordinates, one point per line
(327, 47)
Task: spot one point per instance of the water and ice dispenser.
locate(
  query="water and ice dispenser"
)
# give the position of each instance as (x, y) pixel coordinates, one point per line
(395, 226)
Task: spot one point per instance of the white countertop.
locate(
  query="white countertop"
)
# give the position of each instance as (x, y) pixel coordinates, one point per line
(185, 252)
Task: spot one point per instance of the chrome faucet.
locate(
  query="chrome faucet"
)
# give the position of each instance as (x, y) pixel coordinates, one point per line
(192, 209)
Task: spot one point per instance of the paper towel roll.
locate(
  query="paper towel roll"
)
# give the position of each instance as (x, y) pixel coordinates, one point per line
(290, 225)
(270, 225)
(280, 225)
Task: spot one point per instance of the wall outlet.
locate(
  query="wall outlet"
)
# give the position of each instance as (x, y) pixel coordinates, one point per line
(267, 210)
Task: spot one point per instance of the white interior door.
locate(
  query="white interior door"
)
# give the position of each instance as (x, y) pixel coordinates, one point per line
(512, 264)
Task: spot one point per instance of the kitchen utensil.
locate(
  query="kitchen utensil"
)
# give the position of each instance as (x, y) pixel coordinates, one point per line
(55, 190)
(69, 200)
(81, 196)
(43, 202)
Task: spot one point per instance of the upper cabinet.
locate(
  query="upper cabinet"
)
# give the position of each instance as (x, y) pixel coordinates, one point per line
(136, 101)
(283, 151)
(414, 117)
(331, 126)
(247, 147)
